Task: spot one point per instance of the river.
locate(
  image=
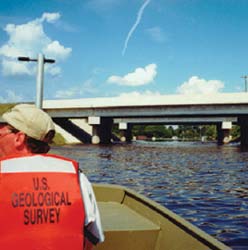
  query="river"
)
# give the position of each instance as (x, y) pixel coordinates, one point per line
(204, 183)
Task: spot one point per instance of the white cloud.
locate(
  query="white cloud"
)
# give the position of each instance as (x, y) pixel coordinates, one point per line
(156, 34)
(25, 39)
(77, 91)
(54, 70)
(88, 87)
(10, 67)
(10, 96)
(50, 17)
(137, 97)
(68, 93)
(56, 50)
(9, 51)
(29, 39)
(136, 94)
(196, 85)
(140, 76)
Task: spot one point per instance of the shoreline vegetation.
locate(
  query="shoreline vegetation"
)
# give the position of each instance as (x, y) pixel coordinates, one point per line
(202, 133)
(58, 139)
(182, 133)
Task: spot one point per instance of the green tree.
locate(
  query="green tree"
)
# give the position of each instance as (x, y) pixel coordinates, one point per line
(155, 130)
(235, 132)
(210, 131)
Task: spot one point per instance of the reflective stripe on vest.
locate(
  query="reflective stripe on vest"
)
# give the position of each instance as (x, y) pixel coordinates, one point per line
(40, 204)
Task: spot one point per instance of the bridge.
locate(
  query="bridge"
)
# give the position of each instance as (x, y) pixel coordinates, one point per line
(222, 109)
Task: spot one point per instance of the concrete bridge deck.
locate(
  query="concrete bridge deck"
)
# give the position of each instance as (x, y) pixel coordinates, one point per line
(228, 104)
(162, 109)
(154, 100)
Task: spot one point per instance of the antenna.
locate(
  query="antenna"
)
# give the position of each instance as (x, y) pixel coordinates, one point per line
(245, 77)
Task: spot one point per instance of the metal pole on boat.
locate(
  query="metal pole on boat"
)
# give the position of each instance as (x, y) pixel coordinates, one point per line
(41, 60)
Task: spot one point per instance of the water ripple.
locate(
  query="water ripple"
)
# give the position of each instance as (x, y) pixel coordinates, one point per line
(204, 183)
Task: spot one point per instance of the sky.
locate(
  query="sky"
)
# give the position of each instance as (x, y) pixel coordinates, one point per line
(127, 48)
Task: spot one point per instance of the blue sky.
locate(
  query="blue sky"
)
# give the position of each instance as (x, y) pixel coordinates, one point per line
(106, 48)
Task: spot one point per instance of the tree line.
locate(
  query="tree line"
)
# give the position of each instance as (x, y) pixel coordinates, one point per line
(181, 131)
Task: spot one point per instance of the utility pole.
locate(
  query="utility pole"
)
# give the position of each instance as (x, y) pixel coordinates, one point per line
(41, 60)
(245, 77)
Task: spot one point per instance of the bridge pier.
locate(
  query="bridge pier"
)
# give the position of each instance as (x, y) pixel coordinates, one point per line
(101, 129)
(243, 123)
(125, 131)
(223, 132)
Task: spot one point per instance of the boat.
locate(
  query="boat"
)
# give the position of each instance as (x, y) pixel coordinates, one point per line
(133, 222)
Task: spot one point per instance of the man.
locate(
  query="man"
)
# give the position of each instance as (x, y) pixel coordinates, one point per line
(45, 201)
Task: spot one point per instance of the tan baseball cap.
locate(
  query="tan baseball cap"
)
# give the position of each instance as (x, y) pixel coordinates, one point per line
(31, 120)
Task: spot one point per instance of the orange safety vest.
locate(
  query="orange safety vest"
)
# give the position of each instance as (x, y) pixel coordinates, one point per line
(41, 205)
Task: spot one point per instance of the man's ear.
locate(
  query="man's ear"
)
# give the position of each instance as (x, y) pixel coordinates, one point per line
(20, 139)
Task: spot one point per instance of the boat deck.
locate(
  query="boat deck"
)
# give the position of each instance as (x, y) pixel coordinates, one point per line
(127, 226)
(133, 222)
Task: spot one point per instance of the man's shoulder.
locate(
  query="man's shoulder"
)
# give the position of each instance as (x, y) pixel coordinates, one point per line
(28, 156)
(59, 157)
(47, 162)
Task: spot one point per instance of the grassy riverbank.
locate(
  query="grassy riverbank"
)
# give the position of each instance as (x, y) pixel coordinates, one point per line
(58, 139)
(5, 107)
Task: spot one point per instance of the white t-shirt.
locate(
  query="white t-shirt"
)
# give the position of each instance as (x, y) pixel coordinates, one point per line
(92, 216)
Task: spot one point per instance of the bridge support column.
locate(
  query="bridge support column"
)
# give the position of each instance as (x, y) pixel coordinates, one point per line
(243, 123)
(102, 129)
(95, 121)
(95, 135)
(125, 131)
(223, 132)
(105, 130)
